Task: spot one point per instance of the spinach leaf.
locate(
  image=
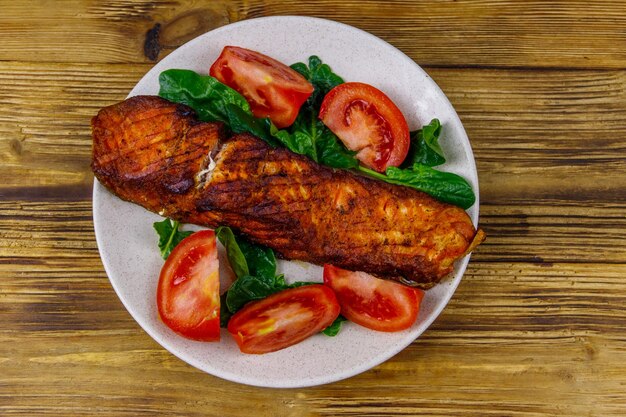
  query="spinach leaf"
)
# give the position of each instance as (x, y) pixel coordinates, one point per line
(332, 153)
(225, 313)
(214, 101)
(203, 93)
(300, 284)
(424, 148)
(309, 133)
(236, 258)
(444, 186)
(169, 236)
(249, 288)
(297, 139)
(261, 260)
(245, 257)
(417, 172)
(241, 121)
(320, 76)
(255, 267)
(334, 328)
(319, 143)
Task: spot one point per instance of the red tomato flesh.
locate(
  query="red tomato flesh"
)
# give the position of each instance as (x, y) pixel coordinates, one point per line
(283, 319)
(272, 88)
(372, 302)
(188, 294)
(367, 122)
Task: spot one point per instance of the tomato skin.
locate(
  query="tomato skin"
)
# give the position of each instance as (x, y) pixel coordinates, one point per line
(188, 296)
(371, 302)
(283, 319)
(368, 122)
(271, 88)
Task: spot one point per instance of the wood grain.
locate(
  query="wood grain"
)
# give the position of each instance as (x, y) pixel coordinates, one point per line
(581, 34)
(581, 133)
(537, 327)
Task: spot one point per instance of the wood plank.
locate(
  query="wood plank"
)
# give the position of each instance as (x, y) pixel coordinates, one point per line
(546, 234)
(49, 261)
(539, 317)
(544, 338)
(554, 232)
(45, 136)
(45, 114)
(500, 33)
(565, 190)
(537, 326)
(544, 135)
(536, 340)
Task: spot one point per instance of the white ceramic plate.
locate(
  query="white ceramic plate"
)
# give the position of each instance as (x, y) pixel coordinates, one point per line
(127, 241)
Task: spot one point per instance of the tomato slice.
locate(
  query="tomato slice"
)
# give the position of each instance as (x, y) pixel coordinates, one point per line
(283, 319)
(372, 302)
(367, 122)
(188, 296)
(272, 88)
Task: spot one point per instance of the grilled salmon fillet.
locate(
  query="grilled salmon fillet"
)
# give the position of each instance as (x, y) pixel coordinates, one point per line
(155, 153)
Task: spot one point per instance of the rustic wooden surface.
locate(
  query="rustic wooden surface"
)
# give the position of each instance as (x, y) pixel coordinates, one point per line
(538, 325)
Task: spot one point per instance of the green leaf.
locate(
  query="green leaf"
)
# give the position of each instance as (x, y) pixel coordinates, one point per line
(214, 101)
(311, 137)
(444, 186)
(320, 76)
(425, 148)
(304, 134)
(308, 136)
(169, 236)
(261, 260)
(225, 313)
(301, 284)
(255, 268)
(249, 288)
(279, 281)
(301, 68)
(241, 121)
(203, 93)
(236, 258)
(332, 152)
(317, 141)
(417, 172)
(334, 328)
(247, 258)
(288, 140)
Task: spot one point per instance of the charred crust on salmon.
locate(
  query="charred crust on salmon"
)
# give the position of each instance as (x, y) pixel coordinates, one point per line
(155, 153)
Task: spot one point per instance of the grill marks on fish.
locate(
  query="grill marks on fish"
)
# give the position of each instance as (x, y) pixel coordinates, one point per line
(320, 215)
(150, 151)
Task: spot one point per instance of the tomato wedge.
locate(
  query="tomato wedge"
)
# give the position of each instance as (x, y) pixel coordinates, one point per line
(367, 122)
(283, 319)
(188, 296)
(372, 302)
(272, 88)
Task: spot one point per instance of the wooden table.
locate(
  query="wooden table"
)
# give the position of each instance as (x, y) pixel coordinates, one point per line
(538, 325)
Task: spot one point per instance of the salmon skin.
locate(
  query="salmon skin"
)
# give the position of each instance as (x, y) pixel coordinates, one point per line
(155, 153)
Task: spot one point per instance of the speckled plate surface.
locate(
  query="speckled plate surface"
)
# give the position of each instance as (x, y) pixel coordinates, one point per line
(127, 241)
